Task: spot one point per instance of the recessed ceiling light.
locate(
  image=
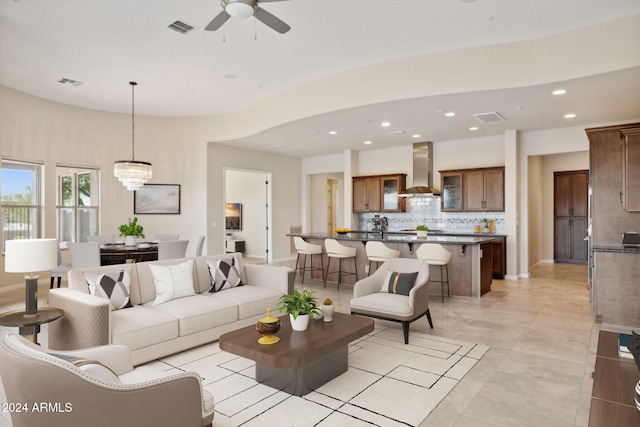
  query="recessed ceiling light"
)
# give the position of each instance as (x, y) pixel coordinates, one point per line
(473, 128)
(569, 116)
(333, 132)
(367, 142)
(417, 135)
(230, 76)
(449, 114)
(385, 124)
(559, 92)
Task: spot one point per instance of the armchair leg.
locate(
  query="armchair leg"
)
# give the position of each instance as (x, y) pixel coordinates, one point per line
(405, 332)
(429, 318)
(52, 279)
(59, 280)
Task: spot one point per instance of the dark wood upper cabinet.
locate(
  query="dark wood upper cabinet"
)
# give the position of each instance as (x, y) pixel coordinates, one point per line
(378, 193)
(451, 185)
(482, 190)
(631, 176)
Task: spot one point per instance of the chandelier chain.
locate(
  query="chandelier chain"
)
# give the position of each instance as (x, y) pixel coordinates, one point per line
(133, 121)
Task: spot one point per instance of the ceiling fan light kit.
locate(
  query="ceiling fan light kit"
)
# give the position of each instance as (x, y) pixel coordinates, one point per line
(244, 9)
(239, 8)
(132, 173)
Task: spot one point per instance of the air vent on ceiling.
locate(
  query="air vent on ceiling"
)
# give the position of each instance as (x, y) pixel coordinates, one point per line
(69, 81)
(181, 27)
(489, 117)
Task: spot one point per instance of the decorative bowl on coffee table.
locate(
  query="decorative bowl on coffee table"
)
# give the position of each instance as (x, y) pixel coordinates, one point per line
(268, 327)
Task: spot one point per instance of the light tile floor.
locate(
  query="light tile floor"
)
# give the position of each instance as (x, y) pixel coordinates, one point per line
(537, 371)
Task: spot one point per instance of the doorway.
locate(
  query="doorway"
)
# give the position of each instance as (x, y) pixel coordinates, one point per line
(333, 195)
(571, 204)
(248, 228)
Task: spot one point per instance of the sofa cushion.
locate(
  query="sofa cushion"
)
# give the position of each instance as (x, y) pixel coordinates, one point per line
(381, 303)
(251, 300)
(224, 273)
(114, 286)
(399, 283)
(204, 275)
(139, 327)
(199, 313)
(172, 281)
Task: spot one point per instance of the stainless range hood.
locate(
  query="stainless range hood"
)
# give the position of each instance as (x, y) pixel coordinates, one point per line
(422, 172)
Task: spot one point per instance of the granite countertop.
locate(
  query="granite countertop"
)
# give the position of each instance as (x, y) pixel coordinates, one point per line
(406, 237)
(616, 248)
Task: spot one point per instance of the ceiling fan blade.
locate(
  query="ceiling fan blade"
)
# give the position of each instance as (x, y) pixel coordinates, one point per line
(217, 22)
(271, 21)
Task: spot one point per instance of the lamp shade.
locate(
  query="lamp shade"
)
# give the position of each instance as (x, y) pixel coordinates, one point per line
(30, 255)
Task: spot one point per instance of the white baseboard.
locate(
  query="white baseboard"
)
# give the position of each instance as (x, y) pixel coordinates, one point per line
(511, 277)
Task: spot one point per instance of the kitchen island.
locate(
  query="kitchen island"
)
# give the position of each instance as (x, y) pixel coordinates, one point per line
(470, 271)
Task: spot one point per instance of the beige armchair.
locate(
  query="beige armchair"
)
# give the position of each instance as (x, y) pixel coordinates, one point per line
(368, 300)
(54, 392)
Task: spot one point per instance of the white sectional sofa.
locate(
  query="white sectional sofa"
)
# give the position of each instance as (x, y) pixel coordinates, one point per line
(153, 331)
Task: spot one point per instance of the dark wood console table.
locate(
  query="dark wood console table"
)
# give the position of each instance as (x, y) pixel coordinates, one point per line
(614, 381)
(120, 254)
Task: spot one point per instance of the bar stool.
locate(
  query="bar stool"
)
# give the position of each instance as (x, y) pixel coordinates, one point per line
(379, 252)
(304, 248)
(436, 254)
(339, 251)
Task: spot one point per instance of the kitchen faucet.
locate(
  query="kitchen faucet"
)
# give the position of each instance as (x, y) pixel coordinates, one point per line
(379, 223)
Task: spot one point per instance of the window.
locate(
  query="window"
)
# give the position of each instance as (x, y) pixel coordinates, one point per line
(21, 200)
(78, 203)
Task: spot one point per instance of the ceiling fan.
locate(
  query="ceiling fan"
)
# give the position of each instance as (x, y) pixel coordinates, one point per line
(244, 9)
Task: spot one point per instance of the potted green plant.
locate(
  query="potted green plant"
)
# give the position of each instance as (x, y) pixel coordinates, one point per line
(422, 230)
(131, 231)
(299, 305)
(485, 224)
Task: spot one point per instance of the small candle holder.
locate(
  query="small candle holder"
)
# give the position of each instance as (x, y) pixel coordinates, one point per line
(268, 327)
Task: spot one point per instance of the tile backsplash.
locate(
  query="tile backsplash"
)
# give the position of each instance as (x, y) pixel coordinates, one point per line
(426, 210)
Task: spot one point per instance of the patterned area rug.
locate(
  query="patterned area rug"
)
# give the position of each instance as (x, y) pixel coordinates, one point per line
(388, 383)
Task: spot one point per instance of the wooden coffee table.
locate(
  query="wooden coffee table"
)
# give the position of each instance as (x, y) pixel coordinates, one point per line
(301, 361)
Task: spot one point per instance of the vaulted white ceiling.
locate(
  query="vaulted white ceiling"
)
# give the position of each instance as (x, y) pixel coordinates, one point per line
(346, 65)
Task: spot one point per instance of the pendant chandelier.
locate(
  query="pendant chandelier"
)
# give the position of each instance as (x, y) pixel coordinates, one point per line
(132, 173)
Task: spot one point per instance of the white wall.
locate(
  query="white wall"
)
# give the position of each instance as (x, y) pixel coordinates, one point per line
(35, 129)
(40, 130)
(285, 193)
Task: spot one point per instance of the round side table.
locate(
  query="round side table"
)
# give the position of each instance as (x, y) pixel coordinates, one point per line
(29, 325)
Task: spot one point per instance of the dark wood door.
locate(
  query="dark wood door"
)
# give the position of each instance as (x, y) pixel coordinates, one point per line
(570, 216)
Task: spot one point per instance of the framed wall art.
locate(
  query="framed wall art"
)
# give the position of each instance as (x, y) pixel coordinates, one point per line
(157, 199)
(233, 216)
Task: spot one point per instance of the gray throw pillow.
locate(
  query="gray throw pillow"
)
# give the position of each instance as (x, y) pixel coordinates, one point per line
(399, 283)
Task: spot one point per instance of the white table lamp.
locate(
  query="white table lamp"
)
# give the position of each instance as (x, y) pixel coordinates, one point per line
(31, 256)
